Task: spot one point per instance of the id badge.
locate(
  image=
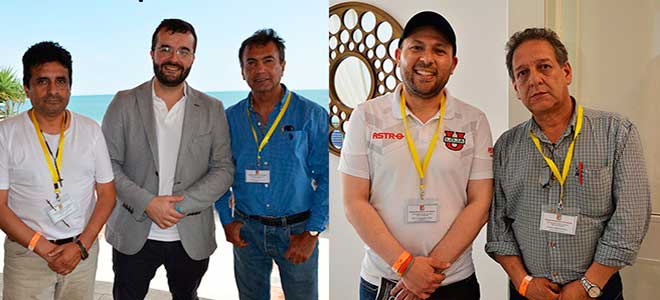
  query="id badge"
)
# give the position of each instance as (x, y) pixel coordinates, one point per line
(556, 220)
(62, 208)
(257, 174)
(386, 286)
(422, 212)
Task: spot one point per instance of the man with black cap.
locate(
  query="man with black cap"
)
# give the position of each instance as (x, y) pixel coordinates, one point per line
(417, 175)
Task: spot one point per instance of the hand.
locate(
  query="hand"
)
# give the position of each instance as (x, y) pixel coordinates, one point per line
(66, 258)
(162, 211)
(301, 247)
(402, 293)
(233, 234)
(573, 291)
(424, 276)
(542, 289)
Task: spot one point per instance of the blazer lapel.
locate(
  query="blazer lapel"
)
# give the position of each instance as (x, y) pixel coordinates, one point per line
(190, 126)
(146, 111)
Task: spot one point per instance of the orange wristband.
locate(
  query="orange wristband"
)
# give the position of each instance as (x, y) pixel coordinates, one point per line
(400, 261)
(404, 266)
(522, 290)
(34, 240)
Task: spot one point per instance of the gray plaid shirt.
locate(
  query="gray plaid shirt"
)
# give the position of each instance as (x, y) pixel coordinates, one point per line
(611, 193)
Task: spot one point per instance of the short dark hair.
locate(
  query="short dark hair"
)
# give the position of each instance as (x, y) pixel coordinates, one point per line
(174, 26)
(262, 37)
(528, 34)
(45, 52)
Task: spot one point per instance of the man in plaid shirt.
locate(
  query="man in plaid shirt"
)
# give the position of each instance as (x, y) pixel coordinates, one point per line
(572, 201)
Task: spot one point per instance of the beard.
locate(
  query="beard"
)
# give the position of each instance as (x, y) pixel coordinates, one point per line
(169, 81)
(424, 92)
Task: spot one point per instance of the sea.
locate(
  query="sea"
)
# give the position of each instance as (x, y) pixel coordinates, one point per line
(94, 106)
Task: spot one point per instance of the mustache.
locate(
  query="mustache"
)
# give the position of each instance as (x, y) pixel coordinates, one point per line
(421, 64)
(171, 64)
(51, 97)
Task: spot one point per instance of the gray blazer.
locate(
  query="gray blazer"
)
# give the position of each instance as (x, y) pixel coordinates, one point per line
(204, 168)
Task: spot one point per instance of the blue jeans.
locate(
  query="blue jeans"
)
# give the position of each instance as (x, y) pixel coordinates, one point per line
(466, 289)
(254, 263)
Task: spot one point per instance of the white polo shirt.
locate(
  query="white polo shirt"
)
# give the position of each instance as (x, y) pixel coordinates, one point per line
(169, 126)
(24, 172)
(375, 148)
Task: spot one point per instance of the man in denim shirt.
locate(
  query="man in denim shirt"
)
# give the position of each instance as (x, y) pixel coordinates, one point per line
(280, 191)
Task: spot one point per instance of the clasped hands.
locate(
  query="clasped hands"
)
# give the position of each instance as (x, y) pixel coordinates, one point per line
(62, 259)
(421, 280)
(162, 211)
(543, 289)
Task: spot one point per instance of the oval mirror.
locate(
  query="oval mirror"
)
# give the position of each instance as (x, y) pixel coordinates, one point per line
(352, 81)
(368, 21)
(350, 18)
(384, 32)
(334, 24)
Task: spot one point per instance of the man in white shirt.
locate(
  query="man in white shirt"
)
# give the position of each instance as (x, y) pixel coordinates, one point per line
(170, 150)
(417, 174)
(51, 162)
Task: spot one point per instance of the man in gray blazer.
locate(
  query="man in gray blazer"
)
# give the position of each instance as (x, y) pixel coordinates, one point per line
(170, 151)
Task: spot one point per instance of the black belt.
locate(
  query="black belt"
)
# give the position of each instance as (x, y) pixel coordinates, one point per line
(64, 241)
(276, 221)
(56, 242)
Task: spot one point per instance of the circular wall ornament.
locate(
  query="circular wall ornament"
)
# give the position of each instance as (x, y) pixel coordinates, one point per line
(364, 65)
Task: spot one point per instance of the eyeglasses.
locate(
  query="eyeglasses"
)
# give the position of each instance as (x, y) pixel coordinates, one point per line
(181, 52)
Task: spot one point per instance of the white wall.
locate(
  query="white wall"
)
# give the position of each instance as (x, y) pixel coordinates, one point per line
(480, 79)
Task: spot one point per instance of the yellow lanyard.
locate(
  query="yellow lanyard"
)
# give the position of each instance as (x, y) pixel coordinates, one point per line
(270, 130)
(569, 155)
(421, 169)
(54, 169)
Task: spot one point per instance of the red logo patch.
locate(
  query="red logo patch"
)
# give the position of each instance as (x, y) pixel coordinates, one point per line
(387, 136)
(454, 140)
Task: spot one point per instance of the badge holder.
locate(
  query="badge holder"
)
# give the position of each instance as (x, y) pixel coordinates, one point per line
(386, 286)
(559, 220)
(258, 173)
(61, 208)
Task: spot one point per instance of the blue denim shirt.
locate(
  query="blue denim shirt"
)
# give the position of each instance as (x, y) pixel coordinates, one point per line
(297, 156)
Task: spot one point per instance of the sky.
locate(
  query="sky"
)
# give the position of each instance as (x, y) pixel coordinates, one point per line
(110, 40)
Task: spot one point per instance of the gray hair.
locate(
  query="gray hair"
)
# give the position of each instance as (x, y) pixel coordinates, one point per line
(528, 34)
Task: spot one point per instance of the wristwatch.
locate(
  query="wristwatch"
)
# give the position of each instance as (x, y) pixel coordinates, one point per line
(592, 289)
(83, 251)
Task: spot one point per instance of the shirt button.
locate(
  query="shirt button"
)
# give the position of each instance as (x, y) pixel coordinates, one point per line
(267, 205)
(266, 163)
(552, 245)
(555, 274)
(266, 185)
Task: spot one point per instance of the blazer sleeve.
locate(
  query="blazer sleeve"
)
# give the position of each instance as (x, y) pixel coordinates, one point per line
(133, 197)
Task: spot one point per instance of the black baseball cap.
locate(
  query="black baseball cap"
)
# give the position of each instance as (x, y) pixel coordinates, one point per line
(433, 19)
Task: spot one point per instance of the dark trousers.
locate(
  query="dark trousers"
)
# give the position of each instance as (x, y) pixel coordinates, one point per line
(613, 290)
(134, 272)
(466, 289)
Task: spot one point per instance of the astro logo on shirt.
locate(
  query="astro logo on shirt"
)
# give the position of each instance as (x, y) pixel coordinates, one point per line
(386, 136)
(454, 140)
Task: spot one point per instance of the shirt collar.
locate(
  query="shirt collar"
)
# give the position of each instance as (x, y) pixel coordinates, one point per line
(395, 100)
(279, 103)
(570, 129)
(158, 100)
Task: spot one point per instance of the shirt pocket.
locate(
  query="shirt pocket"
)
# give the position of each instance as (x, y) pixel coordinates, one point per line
(595, 192)
(296, 141)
